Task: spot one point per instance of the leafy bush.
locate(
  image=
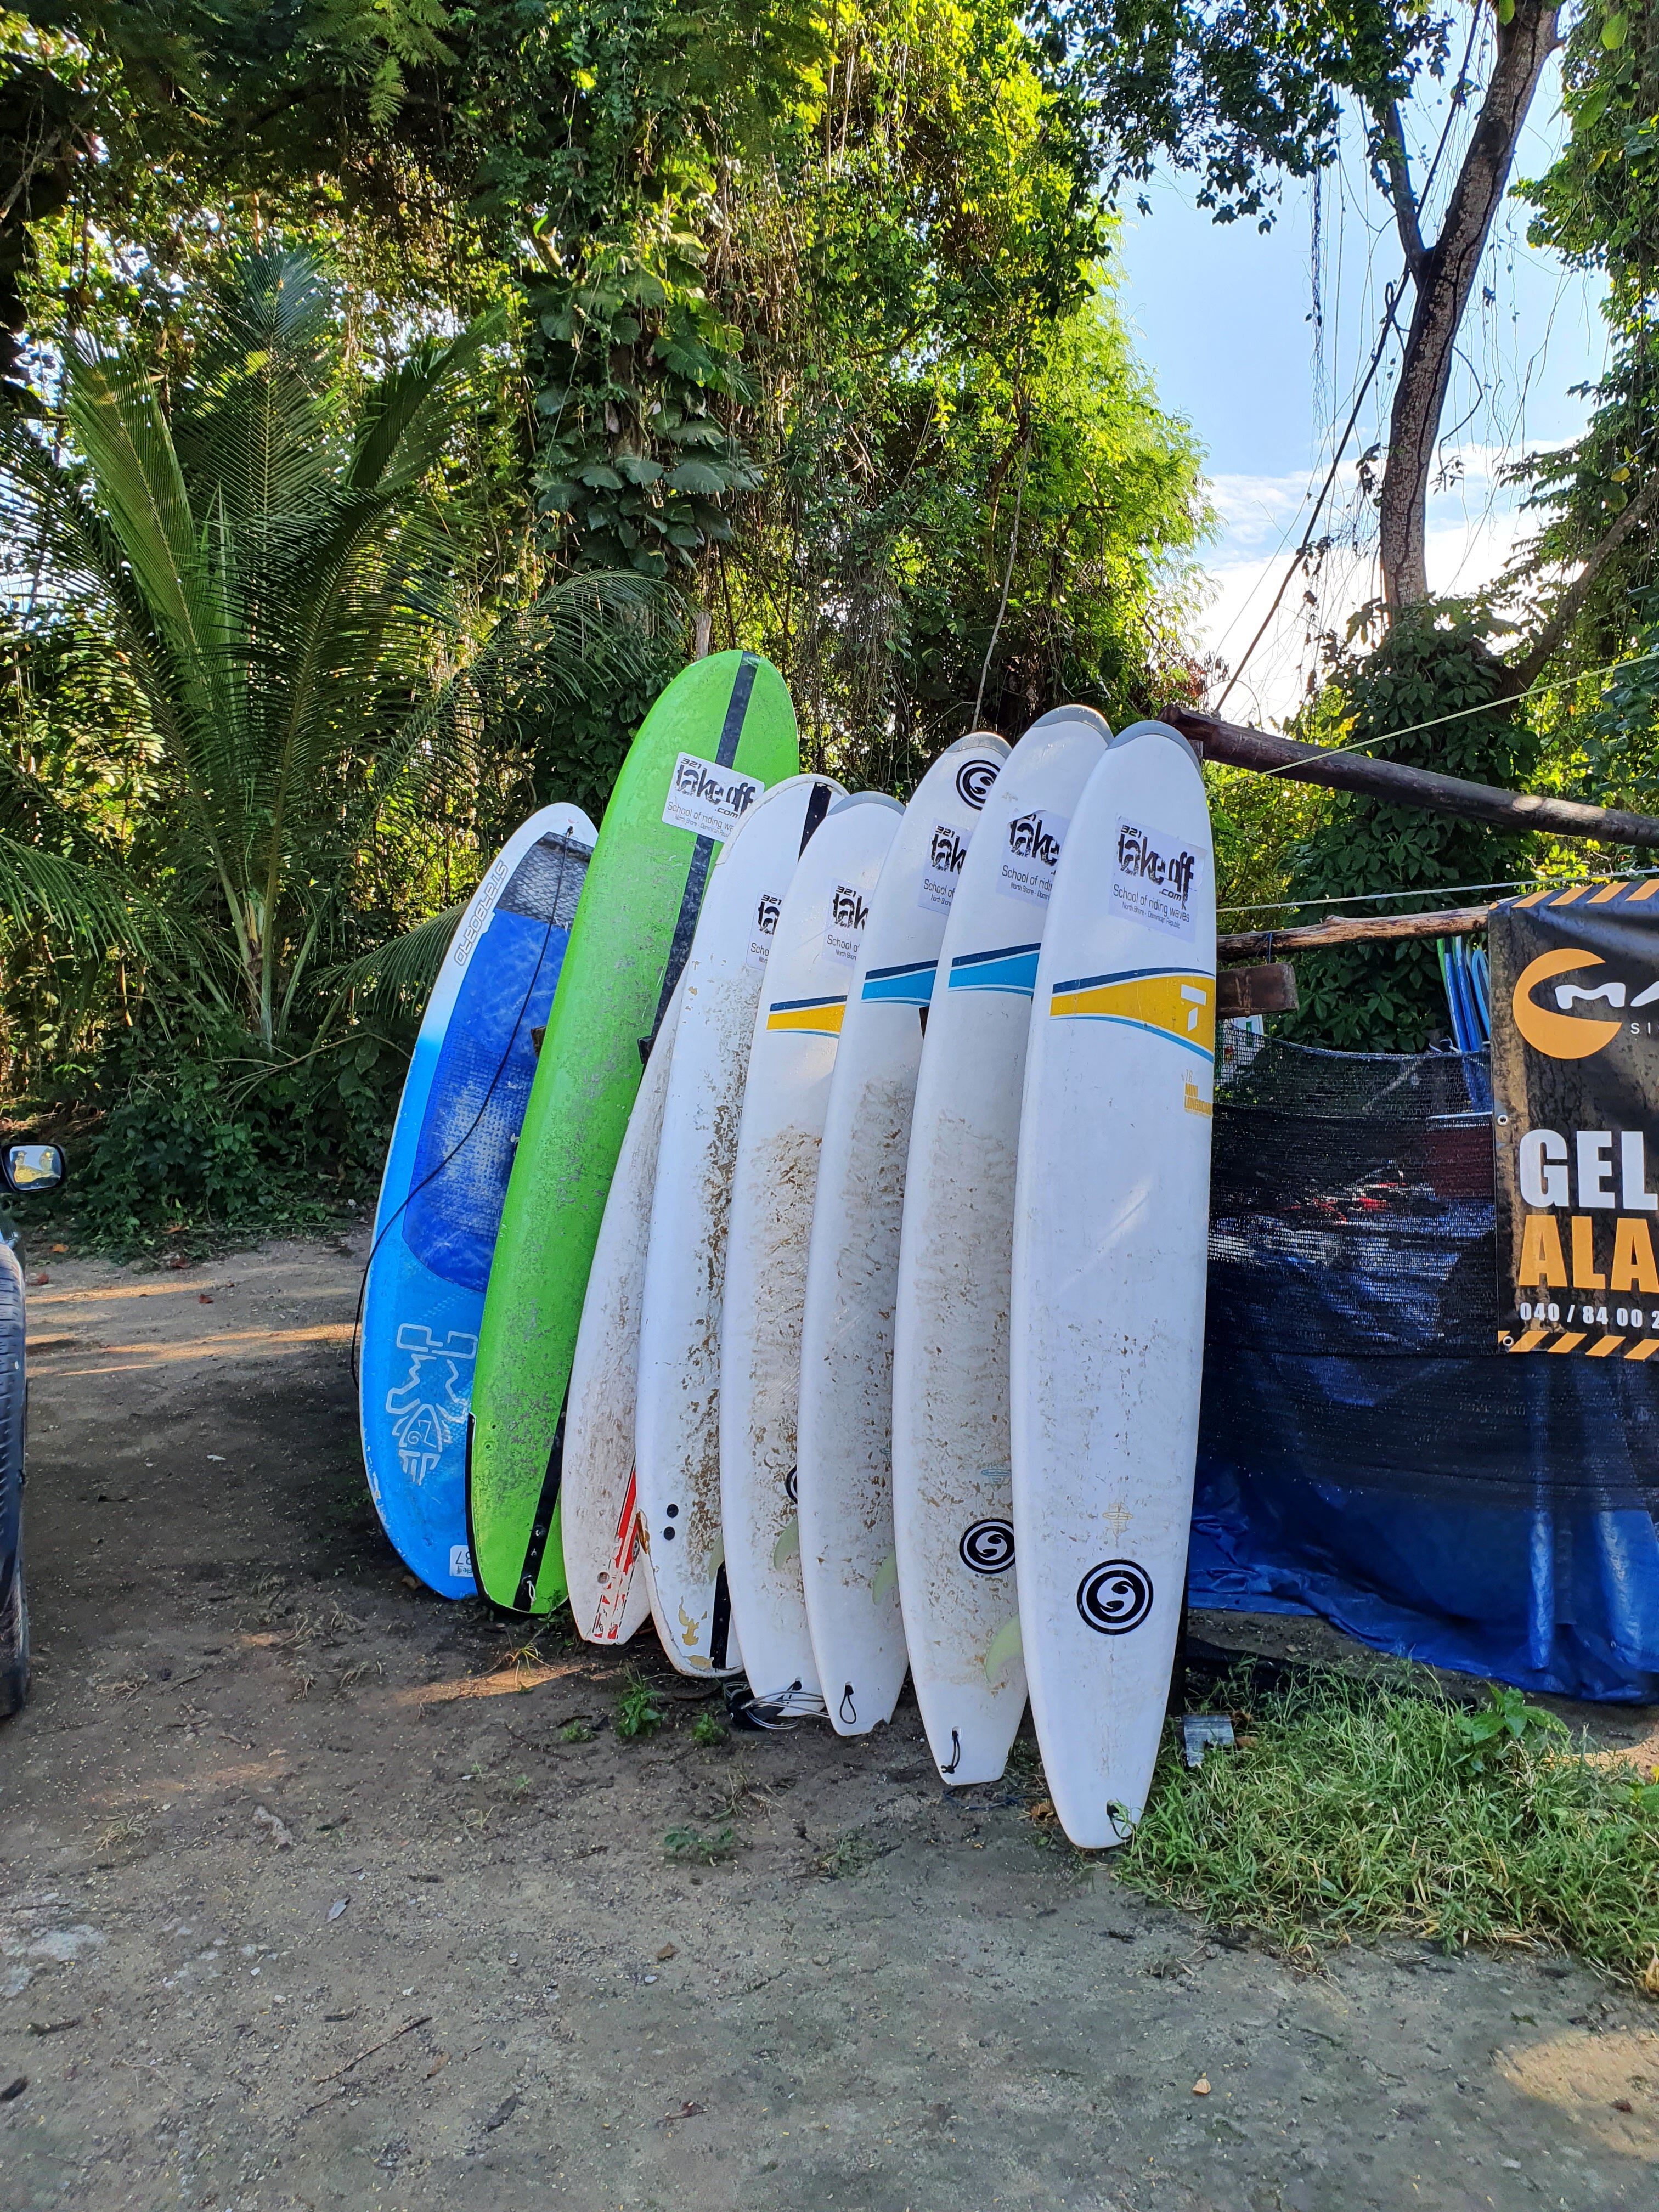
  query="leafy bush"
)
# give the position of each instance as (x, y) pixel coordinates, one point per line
(1434, 663)
(208, 1133)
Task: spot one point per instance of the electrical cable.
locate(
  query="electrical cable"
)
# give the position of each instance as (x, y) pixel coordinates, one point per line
(1430, 890)
(1458, 713)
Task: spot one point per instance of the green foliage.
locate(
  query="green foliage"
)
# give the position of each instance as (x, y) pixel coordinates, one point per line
(1506, 1726)
(1239, 95)
(262, 559)
(709, 1729)
(200, 1130)
(809, 310)
(639, 1711)
(575, 1732)
(1598, 206)
(1352, 1809)
(1434, 663)
(685, 1844)
(1259, 825)
(849, 1855)
(609, 135)
(808, 321)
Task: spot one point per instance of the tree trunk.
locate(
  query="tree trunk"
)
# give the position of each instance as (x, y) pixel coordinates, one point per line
(1444, 276)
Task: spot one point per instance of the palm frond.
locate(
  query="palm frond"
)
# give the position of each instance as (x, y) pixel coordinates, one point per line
(403, 429)
(551, 644)
(93, 906)
(403, 968)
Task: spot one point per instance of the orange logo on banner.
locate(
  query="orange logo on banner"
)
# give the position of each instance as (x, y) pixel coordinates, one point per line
(1560, 1035)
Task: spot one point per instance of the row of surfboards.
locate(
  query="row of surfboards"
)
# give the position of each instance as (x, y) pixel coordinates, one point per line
(855, 1323)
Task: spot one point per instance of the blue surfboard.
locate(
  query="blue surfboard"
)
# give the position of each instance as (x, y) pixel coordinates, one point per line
(445, 1176)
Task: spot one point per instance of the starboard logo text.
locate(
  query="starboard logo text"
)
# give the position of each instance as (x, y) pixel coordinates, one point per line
(973, 779)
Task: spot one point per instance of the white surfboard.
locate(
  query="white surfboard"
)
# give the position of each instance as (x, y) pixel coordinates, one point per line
(605, 1569)
(677, 1415)
(797, 1029)
(1110, 1234)
(952, 1493)
(849, 1569)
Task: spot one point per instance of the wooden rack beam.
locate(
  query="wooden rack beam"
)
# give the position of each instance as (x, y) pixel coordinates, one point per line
(1239, 747)
(1350, 929)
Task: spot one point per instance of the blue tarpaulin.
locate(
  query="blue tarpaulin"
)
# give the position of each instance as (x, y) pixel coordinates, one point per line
(1366, 1454)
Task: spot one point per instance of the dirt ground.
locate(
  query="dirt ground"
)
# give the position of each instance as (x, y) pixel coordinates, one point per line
(305, 1901)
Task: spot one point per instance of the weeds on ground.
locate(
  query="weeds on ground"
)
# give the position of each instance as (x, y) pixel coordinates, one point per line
(575, 1732)
(639, 1711)
(849, 1855)
(692, 1843)
(709, 1729)
(1353, 1807)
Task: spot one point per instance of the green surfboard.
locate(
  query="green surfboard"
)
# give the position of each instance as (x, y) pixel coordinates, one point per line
(722, 731)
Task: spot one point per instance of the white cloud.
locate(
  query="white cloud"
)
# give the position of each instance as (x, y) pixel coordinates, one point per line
(1475, 525)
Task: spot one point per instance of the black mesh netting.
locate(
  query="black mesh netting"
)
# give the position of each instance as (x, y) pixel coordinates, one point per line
(1351, 1336)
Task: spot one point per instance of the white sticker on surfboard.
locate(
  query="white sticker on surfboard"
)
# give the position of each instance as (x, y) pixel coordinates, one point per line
(708, 799)
(1030, 848)
(792, 1051)
(849, 1567)
(1109, 1275)
(677, 1411)
(1154, 878)
(952, 1493)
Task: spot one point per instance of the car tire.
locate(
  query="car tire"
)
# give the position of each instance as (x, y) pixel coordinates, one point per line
(13, 1642)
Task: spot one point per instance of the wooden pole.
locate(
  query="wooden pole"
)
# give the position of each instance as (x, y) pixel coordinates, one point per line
(1515, 810)
(1351, 929)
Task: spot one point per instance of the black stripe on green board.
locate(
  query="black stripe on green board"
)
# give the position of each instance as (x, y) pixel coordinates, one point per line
(525, 1598)
(702, 852)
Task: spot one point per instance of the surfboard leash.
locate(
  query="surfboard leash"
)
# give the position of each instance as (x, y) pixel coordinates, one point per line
(462, 1141)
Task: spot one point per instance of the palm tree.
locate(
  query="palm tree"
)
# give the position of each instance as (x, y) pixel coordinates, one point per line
(278, 577)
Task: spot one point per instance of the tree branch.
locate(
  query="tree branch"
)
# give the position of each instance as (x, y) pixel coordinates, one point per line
(1445, 279)
(1391, 154)
(1524, 672)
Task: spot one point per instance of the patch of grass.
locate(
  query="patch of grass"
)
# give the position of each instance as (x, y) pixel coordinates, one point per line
(575, 1732)
(639, 1711)
(692, 1843)
(1352, 1807)
(849, 1855)
(709, 1729)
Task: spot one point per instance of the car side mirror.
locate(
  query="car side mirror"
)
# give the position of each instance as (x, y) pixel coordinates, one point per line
(32, 1167)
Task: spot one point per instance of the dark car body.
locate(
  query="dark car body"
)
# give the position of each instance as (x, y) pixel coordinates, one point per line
(14, 1604)
(23, 1168)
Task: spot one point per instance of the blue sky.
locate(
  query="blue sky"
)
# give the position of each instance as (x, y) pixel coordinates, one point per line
(1224, 318)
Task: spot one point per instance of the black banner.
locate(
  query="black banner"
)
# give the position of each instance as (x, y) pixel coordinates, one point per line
(1575, 1064)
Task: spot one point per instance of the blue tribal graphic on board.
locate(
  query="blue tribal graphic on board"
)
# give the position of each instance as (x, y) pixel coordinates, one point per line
(428, 1408)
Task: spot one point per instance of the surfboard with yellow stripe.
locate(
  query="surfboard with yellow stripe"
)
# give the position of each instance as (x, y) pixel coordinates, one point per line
(807, 1016)
(1111, 1217)
(1178, 1003)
